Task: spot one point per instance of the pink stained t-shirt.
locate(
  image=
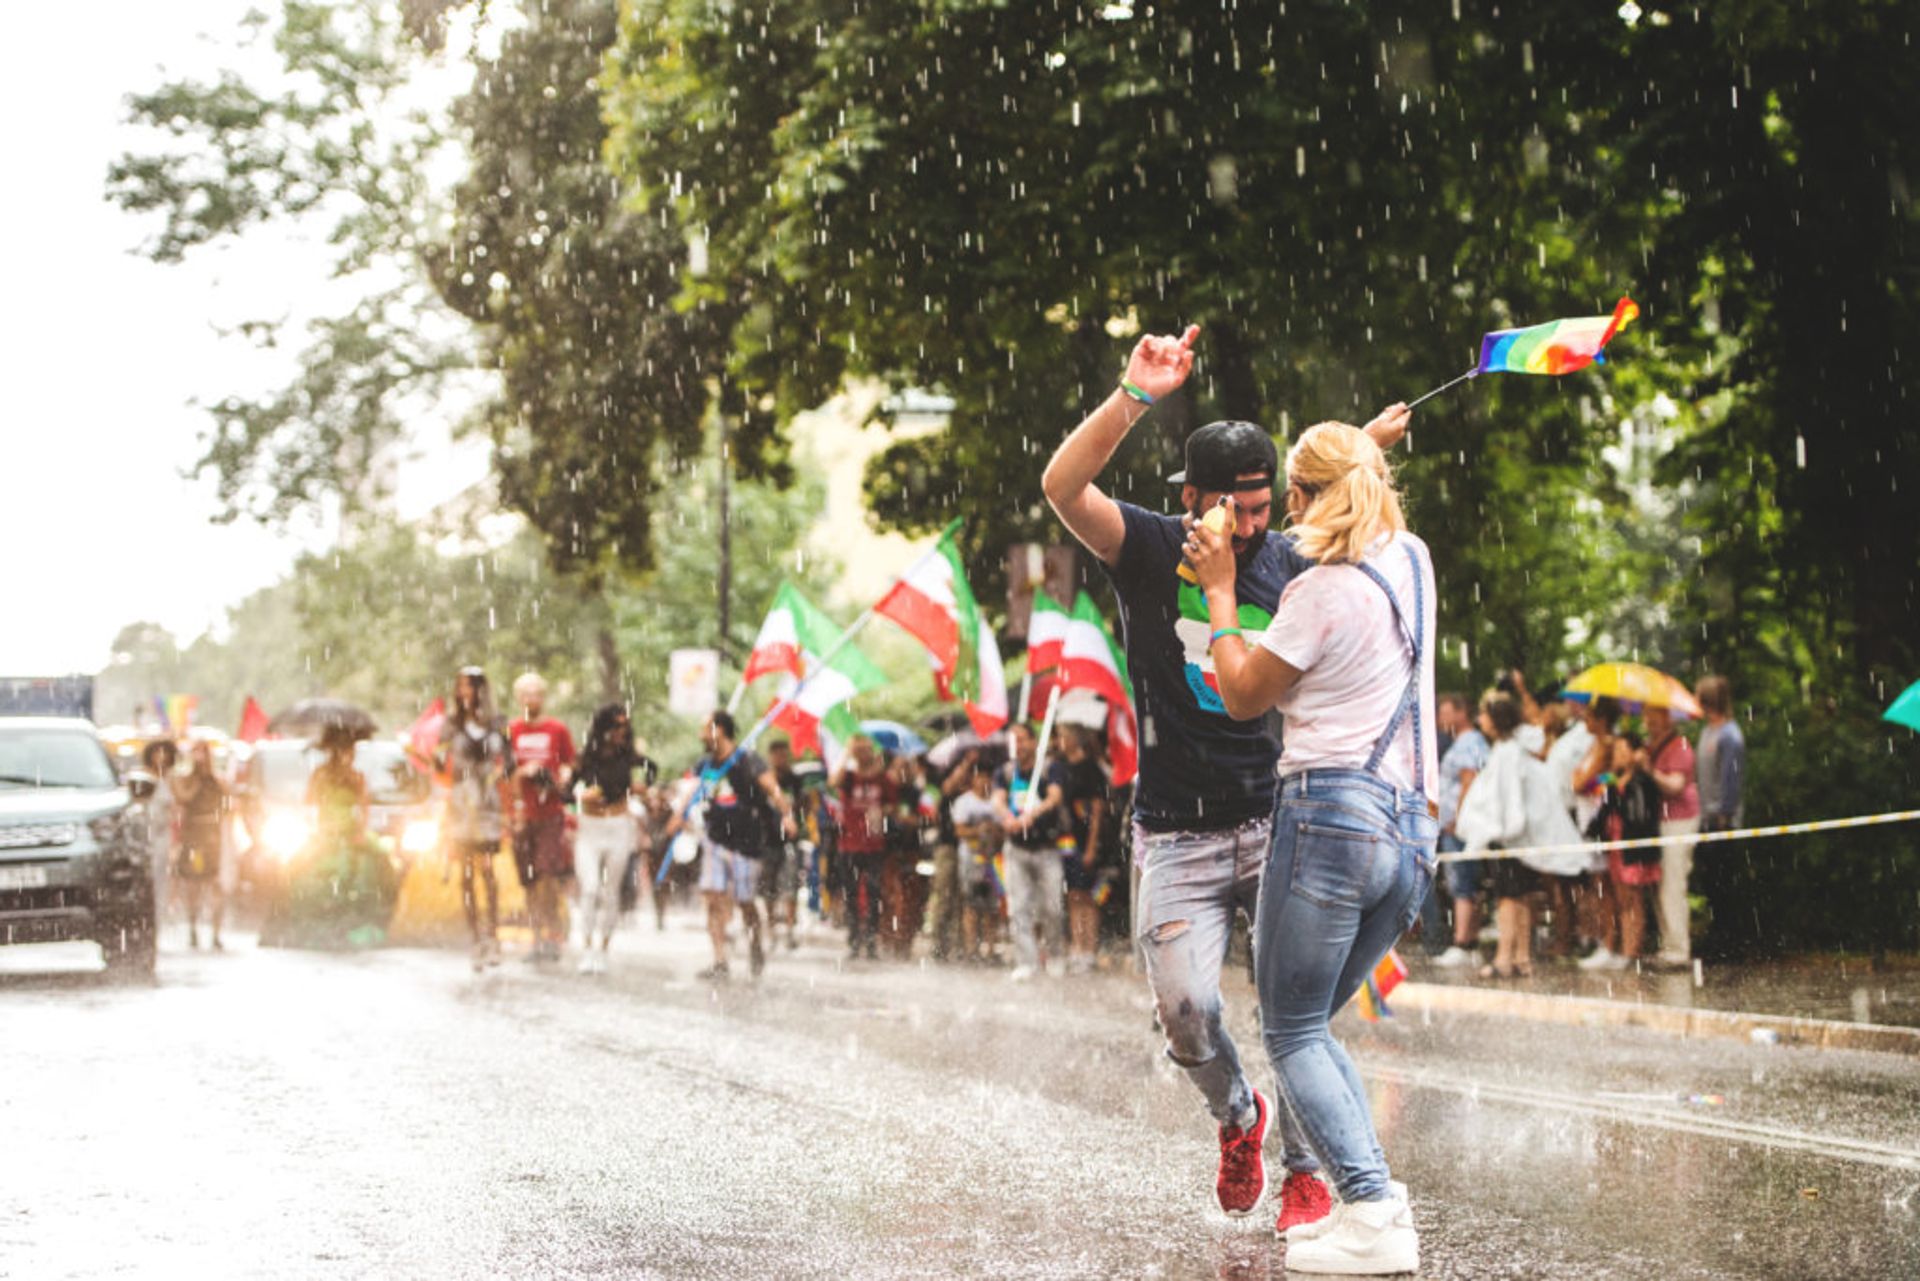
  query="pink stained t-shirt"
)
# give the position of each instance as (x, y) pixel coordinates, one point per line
(1676, 757)
(1336, 626)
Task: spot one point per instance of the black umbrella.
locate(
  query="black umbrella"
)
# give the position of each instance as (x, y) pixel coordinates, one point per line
(310, 716)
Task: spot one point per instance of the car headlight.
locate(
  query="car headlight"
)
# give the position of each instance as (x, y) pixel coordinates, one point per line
(285, 833)
(421, 836)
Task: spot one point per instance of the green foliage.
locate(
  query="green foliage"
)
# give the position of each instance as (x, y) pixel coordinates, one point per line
(328, 146)
(576, 302)
(990, 201)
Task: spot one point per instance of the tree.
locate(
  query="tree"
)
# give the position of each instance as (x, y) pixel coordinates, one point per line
(329, 143)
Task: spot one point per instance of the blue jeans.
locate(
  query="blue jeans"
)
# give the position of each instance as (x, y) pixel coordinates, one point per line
(1192, 886)
(1350, 862)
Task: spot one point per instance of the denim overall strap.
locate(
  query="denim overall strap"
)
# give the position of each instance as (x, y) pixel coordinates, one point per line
(1410, 698)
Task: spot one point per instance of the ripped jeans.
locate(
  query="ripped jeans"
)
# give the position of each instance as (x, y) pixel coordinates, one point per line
(1192, 885)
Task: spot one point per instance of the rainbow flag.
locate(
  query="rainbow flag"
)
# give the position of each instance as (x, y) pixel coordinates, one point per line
(1557, 347)
(1372, 996)
(176, 712)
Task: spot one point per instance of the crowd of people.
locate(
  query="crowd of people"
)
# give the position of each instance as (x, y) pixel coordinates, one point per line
(1539, 774)
(961, 848)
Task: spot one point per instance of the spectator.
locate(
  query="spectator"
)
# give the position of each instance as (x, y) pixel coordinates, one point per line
(543, 770)
(1531, 734)
(1513, 803)
(910, 842)
(869, 808)
(947, 902)
(1458, 768)
(1722, 759)
(1035, 878)
(781, 874)
(1629, 811)
(1590, 779)
(1088, 815)
(1670, 758)
(977, 825)
(1565, 891)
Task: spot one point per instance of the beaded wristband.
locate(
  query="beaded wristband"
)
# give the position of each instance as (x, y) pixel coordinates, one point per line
(1135, 392)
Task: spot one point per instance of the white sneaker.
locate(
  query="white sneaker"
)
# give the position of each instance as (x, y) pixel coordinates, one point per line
(1020, 974)
(1368, 1238)
(1599, 959)
(1320, 1227)
(1454, 958)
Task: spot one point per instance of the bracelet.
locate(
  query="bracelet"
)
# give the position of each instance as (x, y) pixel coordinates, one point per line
(1135, 392)
(1225, 631)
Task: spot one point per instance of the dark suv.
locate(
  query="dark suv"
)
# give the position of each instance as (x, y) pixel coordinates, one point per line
(73, 845)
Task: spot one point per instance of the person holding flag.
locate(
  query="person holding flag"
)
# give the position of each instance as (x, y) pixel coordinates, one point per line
(1204, 792)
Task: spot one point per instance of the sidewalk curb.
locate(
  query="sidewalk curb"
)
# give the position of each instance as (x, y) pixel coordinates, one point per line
(1587, 1011)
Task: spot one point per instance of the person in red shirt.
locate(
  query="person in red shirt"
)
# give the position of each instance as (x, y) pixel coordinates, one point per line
(869, 805)
(1669, 757)
(543, 768)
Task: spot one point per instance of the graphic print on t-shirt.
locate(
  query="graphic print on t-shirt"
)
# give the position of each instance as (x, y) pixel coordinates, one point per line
(1194, 630)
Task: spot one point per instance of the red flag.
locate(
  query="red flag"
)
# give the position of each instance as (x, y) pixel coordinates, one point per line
(253, 722)
(424, 738)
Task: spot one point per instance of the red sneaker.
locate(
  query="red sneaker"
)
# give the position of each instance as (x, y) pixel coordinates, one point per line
(1242, 1179)
(1303, 1199)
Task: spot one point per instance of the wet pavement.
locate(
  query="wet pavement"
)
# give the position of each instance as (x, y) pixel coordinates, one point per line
(1846, 989)
(277, 1114)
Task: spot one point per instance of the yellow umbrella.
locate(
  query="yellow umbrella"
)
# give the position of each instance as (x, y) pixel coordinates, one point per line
(1635, 685)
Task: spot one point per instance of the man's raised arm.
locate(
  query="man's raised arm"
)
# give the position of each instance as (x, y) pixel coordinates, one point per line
(1157, 368)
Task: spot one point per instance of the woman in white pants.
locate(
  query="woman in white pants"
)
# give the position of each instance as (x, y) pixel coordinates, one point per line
(602, 779)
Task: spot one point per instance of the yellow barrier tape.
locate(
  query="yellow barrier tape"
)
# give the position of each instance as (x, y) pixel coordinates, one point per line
(1701, 838)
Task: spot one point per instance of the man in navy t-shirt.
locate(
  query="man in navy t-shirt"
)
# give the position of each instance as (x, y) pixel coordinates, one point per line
(1204, 800)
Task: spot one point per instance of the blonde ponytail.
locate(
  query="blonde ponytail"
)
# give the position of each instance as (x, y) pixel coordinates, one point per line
(1351, 501)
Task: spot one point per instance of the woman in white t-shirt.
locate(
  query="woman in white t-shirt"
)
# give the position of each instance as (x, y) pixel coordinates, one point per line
(1348, 658)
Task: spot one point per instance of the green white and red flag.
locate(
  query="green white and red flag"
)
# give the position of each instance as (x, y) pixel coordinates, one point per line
(988, 710)
(1090, 660)
(933, 602)
(1046, 633)
(794, 640)
(793, 626)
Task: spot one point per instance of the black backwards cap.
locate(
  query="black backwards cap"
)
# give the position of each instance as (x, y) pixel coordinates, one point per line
(1219, 454)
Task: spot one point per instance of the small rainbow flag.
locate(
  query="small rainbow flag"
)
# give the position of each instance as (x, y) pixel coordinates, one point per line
(1557, 347)
(1372, 996)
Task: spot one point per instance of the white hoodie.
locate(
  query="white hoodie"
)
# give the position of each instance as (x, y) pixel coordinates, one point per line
(1514, 802)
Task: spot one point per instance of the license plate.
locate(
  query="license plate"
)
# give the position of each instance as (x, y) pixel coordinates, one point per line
(22, 878)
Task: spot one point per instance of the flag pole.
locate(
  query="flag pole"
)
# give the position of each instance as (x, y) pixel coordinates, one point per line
(1034, 786)
(765, 722)
(1471, 373)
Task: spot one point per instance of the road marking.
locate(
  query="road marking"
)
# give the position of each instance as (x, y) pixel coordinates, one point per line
(1861, 1150)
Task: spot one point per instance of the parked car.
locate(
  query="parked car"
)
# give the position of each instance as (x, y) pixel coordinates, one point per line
(73, 845)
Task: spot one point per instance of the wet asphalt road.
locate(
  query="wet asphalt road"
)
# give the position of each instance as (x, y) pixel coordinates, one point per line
(278, 1114)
